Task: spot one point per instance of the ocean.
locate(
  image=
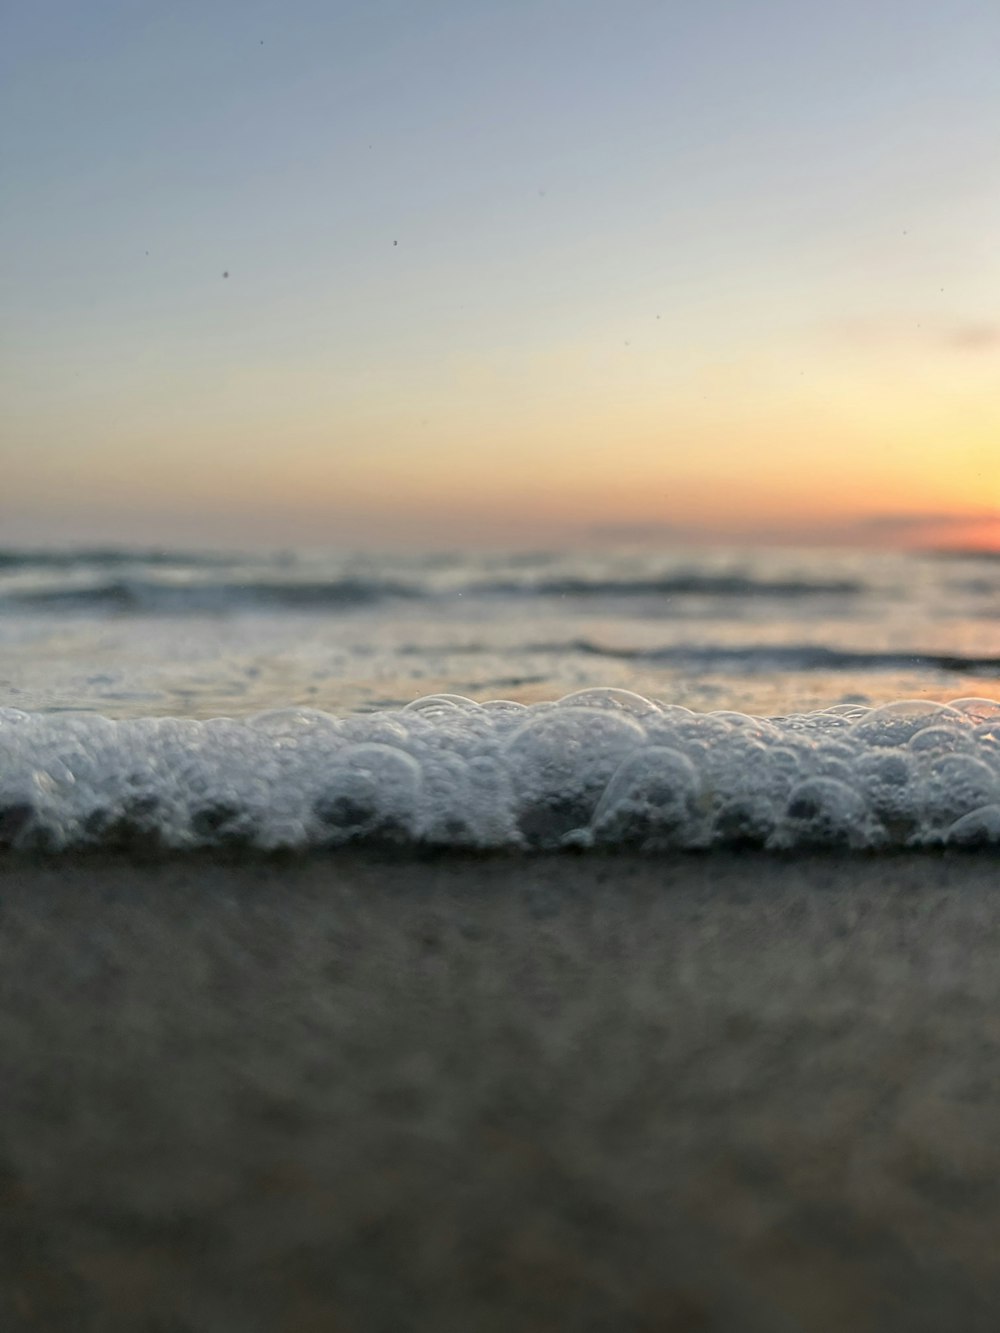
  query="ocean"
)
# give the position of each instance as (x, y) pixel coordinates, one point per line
(565, 941)
(650, 699)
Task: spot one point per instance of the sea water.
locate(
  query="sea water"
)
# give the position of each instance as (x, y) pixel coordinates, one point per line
(538, 700)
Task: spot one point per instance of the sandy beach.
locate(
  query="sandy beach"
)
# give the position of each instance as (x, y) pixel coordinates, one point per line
(451, 1092)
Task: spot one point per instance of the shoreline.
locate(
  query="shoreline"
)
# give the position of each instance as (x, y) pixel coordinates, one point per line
(386, 1090)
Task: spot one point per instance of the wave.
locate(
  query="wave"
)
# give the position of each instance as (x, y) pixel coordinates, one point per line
(782, 657)
(150, 597)
(675, 585)
(105, 557)
(159, 595)
(599, 768)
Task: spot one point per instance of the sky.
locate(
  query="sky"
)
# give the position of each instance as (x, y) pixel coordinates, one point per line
(438, 272)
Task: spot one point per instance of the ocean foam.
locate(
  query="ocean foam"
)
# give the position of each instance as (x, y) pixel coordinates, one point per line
(601, 767)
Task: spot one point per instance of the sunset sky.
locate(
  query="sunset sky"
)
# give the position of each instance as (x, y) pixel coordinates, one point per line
(500, 272)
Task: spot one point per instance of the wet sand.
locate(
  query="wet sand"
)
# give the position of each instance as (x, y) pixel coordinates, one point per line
(457, 1093)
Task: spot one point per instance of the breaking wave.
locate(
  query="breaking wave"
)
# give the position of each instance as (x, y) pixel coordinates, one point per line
(602, 767)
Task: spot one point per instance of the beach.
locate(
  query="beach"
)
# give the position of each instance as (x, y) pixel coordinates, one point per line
(500, 669)
(445, 1091)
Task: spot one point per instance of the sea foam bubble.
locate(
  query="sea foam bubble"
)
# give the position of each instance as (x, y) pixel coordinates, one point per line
(601, 767)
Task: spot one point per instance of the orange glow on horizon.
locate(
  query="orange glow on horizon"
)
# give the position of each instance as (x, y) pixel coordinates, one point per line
(980, 535)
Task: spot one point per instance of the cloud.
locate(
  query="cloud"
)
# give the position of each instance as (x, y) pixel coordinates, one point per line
(975, 337)
(901, 331)
(900, 524)
(887, 530)
(651, 531)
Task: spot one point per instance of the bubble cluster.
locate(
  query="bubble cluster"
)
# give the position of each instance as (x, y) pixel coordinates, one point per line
(599, 768)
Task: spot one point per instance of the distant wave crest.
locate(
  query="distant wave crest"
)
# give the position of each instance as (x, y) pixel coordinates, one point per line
(677, 585)
(152, 592)
(782, 657)
(151, 597)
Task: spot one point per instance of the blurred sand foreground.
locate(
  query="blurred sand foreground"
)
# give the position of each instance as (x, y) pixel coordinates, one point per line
(496, 1094)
